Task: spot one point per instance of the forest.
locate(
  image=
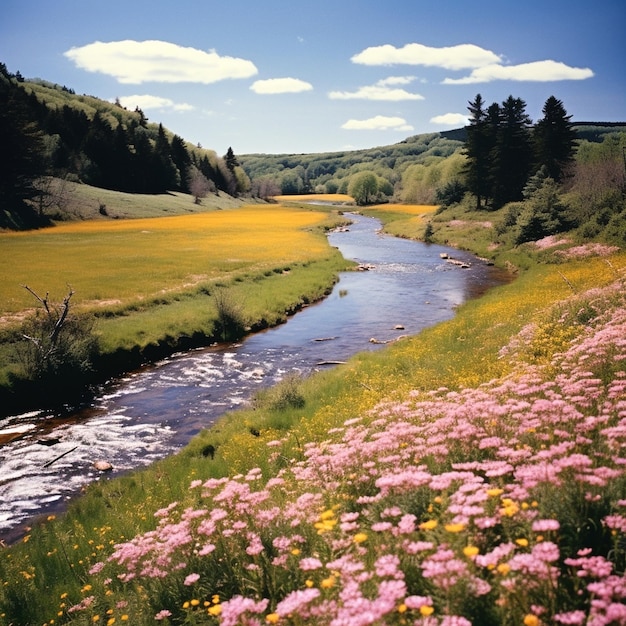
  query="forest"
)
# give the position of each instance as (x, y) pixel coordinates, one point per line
(48, 130)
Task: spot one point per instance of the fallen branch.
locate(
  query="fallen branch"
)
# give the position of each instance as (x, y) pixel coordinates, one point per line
(49, 463)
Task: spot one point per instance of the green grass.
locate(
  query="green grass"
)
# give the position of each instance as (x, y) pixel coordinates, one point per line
(150, 281)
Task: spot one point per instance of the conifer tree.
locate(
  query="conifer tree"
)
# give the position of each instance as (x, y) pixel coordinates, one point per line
(512, 155)
(477, 150)
(554, 139)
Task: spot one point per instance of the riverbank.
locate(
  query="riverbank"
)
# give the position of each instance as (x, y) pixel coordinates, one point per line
(151, 284)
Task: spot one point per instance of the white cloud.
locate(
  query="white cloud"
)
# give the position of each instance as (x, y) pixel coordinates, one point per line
(280, 85)
(450, 119)
(462, 56)
(146, 101)
(380, 122)
(537, 71)
(396, 80)
(380, 91)
(135, 62)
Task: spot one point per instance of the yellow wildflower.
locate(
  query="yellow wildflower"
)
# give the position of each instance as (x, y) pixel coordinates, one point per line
(523, 542)
(470, 551)
(426, 610)
(272, 618)
(509, 507)
(215, 610)
(429, 525)
(531, 620)
(360, 538)
(329, 582)
(504, 569)
(454, 528)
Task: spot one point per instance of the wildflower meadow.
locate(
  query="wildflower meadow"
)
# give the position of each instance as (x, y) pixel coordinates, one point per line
(502, 503)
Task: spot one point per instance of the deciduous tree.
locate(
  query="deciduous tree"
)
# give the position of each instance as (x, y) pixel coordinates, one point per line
(363, 187)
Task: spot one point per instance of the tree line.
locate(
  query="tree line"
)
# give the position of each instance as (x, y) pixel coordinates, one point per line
(101, 150)
(504, 149)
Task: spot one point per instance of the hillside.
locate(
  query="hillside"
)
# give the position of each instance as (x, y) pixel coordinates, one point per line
(330, 172)
(50, 131)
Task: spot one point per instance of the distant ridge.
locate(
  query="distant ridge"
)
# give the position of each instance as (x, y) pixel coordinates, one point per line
(460, 134)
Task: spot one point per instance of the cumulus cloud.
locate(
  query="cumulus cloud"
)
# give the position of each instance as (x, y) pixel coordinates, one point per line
(382, 90)
(135, 62)
(280, 85)
(485, 65)
(380, 122)
(146, 101)
(450, 119)
(537, 71)
(462, 56)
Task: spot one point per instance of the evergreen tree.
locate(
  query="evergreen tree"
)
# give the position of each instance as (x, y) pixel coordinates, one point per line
(167, 172)
(512, 155)
(231, 160)
(181, 159)
(477, 151)
(20, 157)
(544, 213)
(554, 139)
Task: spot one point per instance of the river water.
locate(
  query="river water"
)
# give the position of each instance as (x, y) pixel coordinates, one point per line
(150, 413)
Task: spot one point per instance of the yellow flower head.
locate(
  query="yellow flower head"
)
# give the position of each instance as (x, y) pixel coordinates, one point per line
(454, 528)
(272, 618)
(504, 569)
(426, 610)
(470, 551)
(329, 582)
(531, 620)
(429, 525)
(359, 538)
(215, 610)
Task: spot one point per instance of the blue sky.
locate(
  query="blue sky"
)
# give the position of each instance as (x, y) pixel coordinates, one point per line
(279, 76)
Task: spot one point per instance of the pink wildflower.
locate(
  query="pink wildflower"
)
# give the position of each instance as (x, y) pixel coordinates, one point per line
(191, 579)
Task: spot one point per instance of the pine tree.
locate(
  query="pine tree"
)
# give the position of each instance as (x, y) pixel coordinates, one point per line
(167, 171)
(554, 140)
(477, 150)
(231, 160)
(512, 155)
(21, 163)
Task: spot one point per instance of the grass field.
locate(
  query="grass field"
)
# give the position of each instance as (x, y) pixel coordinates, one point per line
(152, 279)
(473, 473)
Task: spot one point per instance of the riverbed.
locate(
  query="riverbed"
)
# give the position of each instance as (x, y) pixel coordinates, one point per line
(403, 287)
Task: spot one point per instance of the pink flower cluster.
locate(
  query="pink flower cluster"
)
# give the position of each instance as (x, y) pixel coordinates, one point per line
(429, 507)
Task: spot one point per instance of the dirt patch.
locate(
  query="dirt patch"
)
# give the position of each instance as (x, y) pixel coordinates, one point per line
(461, 223)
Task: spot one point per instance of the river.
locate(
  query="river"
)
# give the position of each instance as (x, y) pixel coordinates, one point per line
(150, 413)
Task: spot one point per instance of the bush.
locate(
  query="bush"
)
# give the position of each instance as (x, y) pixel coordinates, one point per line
(285, 395)
(57, 346)
(230, 323)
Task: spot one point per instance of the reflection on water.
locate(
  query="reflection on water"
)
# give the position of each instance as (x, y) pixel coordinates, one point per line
(153, 411)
